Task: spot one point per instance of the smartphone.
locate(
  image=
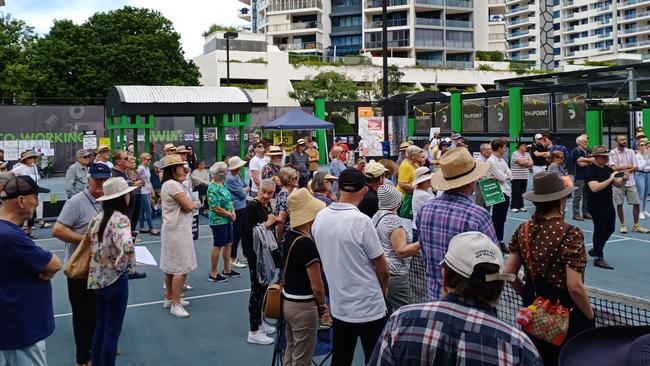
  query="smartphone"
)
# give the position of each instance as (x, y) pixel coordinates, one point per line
(619, 175)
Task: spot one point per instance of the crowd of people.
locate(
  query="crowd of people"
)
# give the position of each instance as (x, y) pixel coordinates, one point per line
(405, 257)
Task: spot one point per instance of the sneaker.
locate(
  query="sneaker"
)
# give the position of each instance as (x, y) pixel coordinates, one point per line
(237, 263)
(138, 240)
(578, 218)
(259, 338)
(243, 261)
(232, 273)
(187, 287)
(623, 229)
(641, 216)
(514, 210)
(646, 213)
(168, 303)
(523, 209)
(601, 263)
(179, 311)
(137, 275)
(591, 252)
(219, 278)
(640, 229)
(267, 329)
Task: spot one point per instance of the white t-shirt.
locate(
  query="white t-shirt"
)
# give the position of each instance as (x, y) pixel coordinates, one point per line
(22, 169)
(256, 163)
(420, 197)
(347, 243)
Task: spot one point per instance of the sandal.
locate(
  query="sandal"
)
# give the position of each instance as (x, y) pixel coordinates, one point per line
(155, 232)
(31, 235)
(144, 231)
(44, 225)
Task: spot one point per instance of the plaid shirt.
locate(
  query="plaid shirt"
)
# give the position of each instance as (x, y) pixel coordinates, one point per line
(454, 331)
(439, 221)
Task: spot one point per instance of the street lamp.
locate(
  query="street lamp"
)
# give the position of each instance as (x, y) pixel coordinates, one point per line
(228, 36)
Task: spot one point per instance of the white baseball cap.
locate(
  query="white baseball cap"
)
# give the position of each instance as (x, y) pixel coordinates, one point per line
(466, 250)
(538, 136)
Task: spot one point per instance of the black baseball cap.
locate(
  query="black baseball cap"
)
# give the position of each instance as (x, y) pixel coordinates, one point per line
(351, 180)
(99, 171)
(21, 186)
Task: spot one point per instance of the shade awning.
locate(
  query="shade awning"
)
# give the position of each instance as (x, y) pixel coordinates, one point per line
(298, 119)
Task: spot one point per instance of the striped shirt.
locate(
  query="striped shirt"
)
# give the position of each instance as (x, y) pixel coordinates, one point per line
(439, 221)
(623, 158)
(454, 331)
(519, 171)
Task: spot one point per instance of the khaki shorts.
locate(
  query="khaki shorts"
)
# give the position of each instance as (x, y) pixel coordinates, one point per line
(628, 193)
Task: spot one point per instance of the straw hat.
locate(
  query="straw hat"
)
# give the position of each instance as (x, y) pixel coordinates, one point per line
(28, 154)
(547, 187)
(600, 150)
(235, 163)
(115, 187)
(103, 148)
(457, 168)
(404, 145)
(182, 149)
(274, 150)
(330, 177)
(303, 207)
(173, 159)
(169, 147)
(422, 174)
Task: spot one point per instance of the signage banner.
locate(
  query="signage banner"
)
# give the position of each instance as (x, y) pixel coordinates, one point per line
(90, 140)
(371, 129)
(498, 117)
(491, 190)
(442, 117)
(571, 111)
(536, 112)
(473, 115)
(423, 118)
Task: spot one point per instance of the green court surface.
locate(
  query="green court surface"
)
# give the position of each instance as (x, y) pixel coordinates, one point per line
(215, 333)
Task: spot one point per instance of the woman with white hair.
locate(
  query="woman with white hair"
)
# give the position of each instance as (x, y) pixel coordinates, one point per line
(289, 178)
(398, 246)
(405, 178)
(221, 216)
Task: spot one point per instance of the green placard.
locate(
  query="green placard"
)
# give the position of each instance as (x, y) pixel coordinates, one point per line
(491, 190)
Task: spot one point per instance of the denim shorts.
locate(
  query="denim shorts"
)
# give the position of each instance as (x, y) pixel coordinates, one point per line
(221, 234)
(33, 355)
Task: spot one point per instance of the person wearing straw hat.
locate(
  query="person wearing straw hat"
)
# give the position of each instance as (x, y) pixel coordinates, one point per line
(27, 167)
(300, 160)
(614, 345)
(462, 328)
(402, 151)
(112, 255)
(599, 181)
(303, 295)
(272, 169)
(452, 213)
(238, 192)
(104, 155)
(177, 256)
(398, 246)
(168, 149)
(374, 173)
(321, 185)
(552, 253)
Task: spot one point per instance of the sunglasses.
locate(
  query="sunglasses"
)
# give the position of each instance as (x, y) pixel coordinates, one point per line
(294, 178)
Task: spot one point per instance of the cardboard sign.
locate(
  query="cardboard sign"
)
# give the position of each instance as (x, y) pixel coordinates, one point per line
(491, 190)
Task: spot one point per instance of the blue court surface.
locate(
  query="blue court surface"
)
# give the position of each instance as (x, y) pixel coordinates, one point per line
(215, 333)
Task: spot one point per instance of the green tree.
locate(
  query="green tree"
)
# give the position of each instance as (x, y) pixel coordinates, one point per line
(219, 28)
(332, 86)
(128, 46)
(16, 76)
(395, 86)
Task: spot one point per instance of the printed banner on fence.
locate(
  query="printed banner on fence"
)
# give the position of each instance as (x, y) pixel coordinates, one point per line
(371, 130)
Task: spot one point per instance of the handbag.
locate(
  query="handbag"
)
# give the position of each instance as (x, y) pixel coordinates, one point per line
(543, 319)
(79, 263)
(272, 304)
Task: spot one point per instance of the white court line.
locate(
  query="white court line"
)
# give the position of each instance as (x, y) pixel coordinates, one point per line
(608, 242)
(161, 301)
(48, 239)
(140, 243)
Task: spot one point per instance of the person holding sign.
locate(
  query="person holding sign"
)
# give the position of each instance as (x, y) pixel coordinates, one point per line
(502, 173)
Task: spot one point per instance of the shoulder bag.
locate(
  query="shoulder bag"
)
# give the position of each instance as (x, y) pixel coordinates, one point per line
(272, 304)
(543, 319)
(79, 263)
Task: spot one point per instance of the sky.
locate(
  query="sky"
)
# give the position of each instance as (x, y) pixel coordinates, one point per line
(190, 17)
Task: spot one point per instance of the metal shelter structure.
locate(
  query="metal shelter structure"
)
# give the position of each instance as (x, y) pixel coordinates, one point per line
(134, 107)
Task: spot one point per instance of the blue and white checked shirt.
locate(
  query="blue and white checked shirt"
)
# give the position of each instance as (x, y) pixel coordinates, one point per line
(454, 331)
(439, 221)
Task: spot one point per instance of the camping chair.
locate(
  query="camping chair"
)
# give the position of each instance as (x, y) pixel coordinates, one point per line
(323, 346)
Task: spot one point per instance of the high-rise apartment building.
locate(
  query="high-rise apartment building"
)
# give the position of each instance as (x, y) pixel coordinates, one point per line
(433, 32)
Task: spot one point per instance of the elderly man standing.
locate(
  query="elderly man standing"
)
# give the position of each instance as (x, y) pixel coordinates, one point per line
(356, 270)
(70, 227)
(502, 173)
(300, 159)
(76, 176)
(451, 214)
(374, 173)
(581, 157)
(27, 315)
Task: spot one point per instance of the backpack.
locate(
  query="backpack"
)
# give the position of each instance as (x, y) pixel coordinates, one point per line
(264, 244)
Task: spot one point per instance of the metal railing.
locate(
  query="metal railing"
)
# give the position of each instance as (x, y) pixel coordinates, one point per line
(605, 35)
(605, 49)
(429, 42)
(519, 45)
(296, 5)
(458, 23)
(496, 2)
(301, 46)
(519, 33)
(295, 26)
(629, 44)
(389, 23)
(393, 43)
(378, 3)
(428, 22)
(460, 3)
(430, 63)
(430, 2)
(460, 64)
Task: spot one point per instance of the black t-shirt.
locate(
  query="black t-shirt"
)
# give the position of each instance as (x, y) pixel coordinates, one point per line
(255, 213)
(369, 205)
(539, 160)
(303, 255)
(602, 198)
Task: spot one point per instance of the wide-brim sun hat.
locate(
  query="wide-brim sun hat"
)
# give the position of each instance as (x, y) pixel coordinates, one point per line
(235, 163)
(303, 207)
(422, 174)
(547, 187)
(181, 149)
(330, 177)
(169, 147)
(457, 168)
(404, 145)
(29, 154)
(389, 198)
(173, 159)
(115, 187)
(608, 346)
(275, 151)
(600, 150)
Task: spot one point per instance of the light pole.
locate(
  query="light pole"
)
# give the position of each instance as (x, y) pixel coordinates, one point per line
(384, 47)
(228, 36)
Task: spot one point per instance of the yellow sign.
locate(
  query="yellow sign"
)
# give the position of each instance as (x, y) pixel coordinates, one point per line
(105, 141)
(283, 136)
(366, 112)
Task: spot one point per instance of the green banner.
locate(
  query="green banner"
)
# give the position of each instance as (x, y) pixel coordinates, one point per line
(491, 190)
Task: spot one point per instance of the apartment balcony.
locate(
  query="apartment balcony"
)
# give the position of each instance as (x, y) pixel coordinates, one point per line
(629, 45)
(519, 34)
(627, 3)
(295, 28)
(430, 2)
(305, 46)
(295, 5)
(604, 49)
(429, 22)
(460, 64)
(515, 22)
(429, 43)
(570, 41)
(430, 63)
(466, 24)
(468, 4)
(602, 9)
(378, 3)
(397, 43)
(389, 23)
(605, 35)
(496, 2)
(346, 30)
(521, 10)
(635, 16)
(247, 2)
(644, 28)
(244, 13)
(465, 45)
(346, 9)
(521, 45)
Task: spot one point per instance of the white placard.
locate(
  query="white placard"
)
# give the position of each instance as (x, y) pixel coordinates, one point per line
(11, 150)
(49, 152)
(90, 142)
(144, 256)
(433, 131)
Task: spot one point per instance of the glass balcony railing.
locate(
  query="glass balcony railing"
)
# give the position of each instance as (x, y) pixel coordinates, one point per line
(458, 23)
(378, 3)
(430, 63)
(460, 64)
(316, 46)
(429, 42)
(428, 22)
(295, 26)
(295, 5)
(389, 23)
(391, 44)
(460, 44)
(430, 2)
(460, 3)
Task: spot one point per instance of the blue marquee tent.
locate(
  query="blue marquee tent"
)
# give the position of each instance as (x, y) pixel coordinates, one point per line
(297, 119)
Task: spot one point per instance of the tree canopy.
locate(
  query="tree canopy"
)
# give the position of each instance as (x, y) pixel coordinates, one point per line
(329, 85)
(79, 63)
(220, 28)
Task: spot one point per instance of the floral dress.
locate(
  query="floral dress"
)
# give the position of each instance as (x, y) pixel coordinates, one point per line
(113, 254)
